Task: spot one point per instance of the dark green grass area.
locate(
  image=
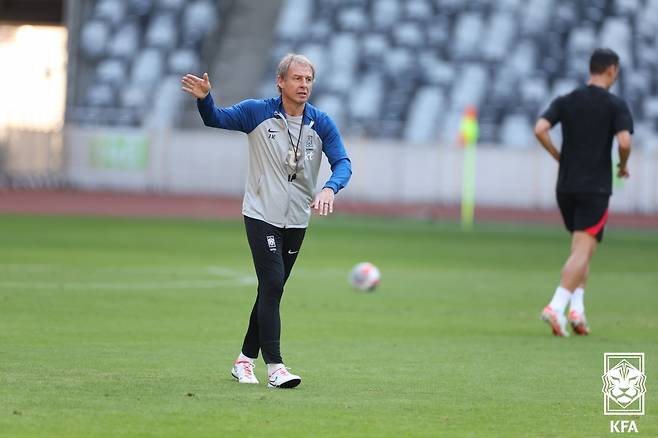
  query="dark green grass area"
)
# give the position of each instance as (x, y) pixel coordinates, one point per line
(129, 327)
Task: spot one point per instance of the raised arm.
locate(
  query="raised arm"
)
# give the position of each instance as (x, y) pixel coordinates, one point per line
(239, 117)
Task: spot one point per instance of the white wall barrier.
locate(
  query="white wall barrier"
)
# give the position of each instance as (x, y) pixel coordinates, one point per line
(214, 162)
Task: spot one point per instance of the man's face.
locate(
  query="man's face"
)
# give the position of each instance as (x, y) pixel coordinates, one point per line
(297, 83)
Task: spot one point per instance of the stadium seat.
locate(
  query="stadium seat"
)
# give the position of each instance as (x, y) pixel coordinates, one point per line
(112, 11)
(374, 47)
(470, 87)
(162, 32)
(343, 56)
(434, 70)
(167, 99)
(135, 96)
(408, 34)
(516, 131)
(94, 38)
(424, 115)
(651, 108)
(334, 105)
(399, 61)
(100, 95)
(626, 7)
(140, 8)
(148, 66)
(365, 102)
(317, 53)
(293, 18)
(183, 61)
(352, 20)
(498, 36)
(170, 5)
(199, 19)
(128, 47)
(111, 71)
(467, 36)
(125, 41)
(534, 91)
(385, 14)
(418, 10)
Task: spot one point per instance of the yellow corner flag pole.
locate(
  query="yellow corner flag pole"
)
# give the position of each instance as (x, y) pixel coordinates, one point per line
(469, 132)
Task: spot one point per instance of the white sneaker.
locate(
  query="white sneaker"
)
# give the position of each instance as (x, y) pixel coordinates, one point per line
(243, 370)
(557, 321)
(281, 378)
(578, 323)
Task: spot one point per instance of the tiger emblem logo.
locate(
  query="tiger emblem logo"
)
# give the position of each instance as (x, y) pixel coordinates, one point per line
(624, 383)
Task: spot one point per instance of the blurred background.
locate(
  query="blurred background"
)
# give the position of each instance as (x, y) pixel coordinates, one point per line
(91, 100)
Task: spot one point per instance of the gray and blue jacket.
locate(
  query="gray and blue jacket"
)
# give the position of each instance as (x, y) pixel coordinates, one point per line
(270, 194)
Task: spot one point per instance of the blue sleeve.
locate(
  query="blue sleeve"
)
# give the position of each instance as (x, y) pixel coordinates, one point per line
(333, 148)
(239, 117)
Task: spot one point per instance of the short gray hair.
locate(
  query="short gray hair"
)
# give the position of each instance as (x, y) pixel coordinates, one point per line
(284, 65)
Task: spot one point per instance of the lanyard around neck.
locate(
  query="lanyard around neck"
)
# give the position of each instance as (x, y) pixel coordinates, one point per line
(295, 146)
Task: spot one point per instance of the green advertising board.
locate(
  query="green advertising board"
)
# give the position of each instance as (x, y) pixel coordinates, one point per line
(124, 152)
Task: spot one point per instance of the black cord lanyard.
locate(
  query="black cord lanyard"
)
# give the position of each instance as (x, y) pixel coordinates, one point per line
(295, 148)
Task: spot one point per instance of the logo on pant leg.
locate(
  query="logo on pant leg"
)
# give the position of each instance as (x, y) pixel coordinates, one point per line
(271, 243)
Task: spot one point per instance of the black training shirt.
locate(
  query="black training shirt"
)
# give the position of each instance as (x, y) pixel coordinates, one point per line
(590, 117)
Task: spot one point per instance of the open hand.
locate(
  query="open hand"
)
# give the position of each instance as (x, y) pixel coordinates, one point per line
(196, 86)
(324, 202)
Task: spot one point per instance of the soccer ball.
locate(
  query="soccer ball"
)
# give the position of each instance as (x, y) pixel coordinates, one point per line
(364, 276)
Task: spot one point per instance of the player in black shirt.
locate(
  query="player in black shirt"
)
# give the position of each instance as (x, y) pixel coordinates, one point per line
(591, 117)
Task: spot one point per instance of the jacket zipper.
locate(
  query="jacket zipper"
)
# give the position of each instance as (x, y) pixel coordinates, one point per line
(285, 122)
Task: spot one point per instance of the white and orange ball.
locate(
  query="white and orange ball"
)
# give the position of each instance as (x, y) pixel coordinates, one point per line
(364, 276)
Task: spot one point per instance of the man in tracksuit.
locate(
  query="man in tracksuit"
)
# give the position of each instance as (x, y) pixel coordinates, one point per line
(287, 137)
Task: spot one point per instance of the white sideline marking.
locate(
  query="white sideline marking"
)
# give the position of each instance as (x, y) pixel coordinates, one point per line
(227, 277)
(127, 286)
(215, 270)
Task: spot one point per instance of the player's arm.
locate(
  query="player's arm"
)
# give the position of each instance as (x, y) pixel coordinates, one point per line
(236, 118)
(542, 128)
(341, 166)
(624, 141)
(623, 126)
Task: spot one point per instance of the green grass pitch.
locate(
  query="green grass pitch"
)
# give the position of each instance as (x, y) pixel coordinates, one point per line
(128, 327)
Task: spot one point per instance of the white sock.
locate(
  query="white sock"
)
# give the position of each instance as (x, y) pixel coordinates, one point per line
(272, 367)
(243, 357)
(560, 299)
(577, 300)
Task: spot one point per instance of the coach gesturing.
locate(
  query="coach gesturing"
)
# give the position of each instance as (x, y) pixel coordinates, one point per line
(287, 137)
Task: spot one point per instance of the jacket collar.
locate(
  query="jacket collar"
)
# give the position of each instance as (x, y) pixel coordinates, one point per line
(280, 112)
